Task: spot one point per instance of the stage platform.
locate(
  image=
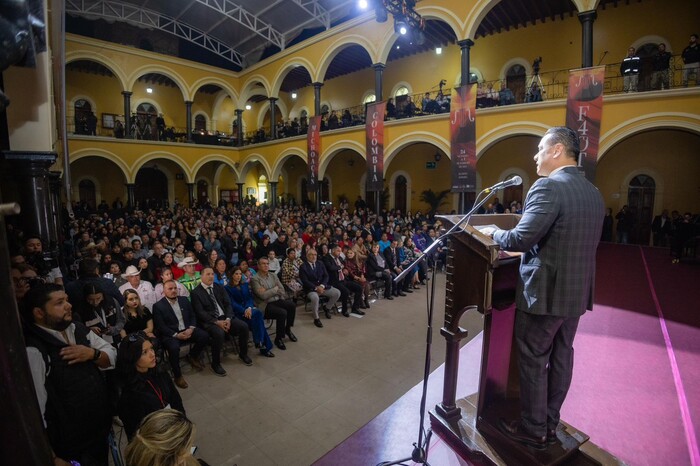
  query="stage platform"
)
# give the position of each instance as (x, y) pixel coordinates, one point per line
(636, 377)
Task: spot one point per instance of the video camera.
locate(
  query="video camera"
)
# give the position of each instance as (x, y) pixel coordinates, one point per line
(442, 83)
(536, 65)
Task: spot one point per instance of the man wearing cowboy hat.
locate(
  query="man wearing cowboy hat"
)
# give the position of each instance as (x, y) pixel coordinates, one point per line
(191, 278)
(144, 289)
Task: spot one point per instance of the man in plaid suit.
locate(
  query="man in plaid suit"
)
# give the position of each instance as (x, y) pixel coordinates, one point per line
(558, 234)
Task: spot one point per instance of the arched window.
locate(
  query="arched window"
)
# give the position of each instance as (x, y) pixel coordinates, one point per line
(146, 109)
(403, 90)
(304, 114)
(325, 109)
(200, 123)
(640, 201)
(515, 81)
(369, 99)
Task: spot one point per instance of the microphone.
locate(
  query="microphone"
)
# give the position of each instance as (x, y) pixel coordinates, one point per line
(515, 181)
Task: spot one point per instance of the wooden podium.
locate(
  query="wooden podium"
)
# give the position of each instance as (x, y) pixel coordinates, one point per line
(482, 278)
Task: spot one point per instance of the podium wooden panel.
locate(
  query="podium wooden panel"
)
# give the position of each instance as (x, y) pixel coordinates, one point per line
(482, 278)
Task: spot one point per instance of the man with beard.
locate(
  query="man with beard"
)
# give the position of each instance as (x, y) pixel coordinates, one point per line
(65, 359)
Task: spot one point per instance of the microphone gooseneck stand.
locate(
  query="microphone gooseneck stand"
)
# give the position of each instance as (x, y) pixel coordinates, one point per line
(420, 448)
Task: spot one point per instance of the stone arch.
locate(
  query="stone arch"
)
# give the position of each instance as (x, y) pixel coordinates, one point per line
(264, 110)
(399, 85)
(146, 158)
(247, 163)
(111, 156)
(70, 122)
(517, 128)
(297, 113)
(336, 47)
(225, 161)
(512, 62)
(368, 93)
(476, 15)
(102, 60)
(249, 89)
(286, 68)
(409, 186)
(397, 145)
(218, 101)
(652, 39)
(226, 87)
(75, 187)
(334, 149)
(473, 70)
(145, 100)
(517, 171)
(151, 68)
(283, 157)
(442, 14)
(669, 120)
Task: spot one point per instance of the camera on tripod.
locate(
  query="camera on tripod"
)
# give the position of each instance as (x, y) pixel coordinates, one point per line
(536, 65)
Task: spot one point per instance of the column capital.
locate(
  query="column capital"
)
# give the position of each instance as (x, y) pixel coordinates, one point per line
(240, 184)
(273, 183)
(127, 93)
(318, 85)
(188, 103)
(239, 111)
(379, 66)
(466, 43)
(587, 16)
(273, 99)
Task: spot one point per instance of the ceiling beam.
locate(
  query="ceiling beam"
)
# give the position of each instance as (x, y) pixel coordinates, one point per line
(317, 11)
(131, 14)
(247, 19)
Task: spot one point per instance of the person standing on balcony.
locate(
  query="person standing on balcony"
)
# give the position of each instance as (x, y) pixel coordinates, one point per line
(629, 69)
(661, 63)
(691, 60)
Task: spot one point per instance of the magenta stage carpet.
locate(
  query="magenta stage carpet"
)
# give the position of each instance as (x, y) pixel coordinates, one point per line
(636, 387)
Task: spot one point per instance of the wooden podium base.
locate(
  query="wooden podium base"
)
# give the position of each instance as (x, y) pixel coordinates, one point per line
(482, 443)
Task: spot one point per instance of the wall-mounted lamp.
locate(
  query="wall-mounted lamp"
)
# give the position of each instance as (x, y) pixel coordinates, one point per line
(438, 50)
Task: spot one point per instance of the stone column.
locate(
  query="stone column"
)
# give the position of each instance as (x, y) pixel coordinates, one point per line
(273, 194)
(240, 193)
(378, 70)
(273, 118)
(317, 98)
(26, 180)
(190, 194)
(239, 129)
(188, 115)
(130, 195)
(55, 186)
(465, 46)
(127, 114)
(587, 18)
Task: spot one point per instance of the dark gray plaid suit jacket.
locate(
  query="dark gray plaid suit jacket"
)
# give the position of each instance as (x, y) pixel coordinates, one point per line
(558, 233)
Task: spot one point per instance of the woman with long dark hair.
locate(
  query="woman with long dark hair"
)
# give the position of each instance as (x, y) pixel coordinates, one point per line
(138, 317)
(145, 388)
(101, 314)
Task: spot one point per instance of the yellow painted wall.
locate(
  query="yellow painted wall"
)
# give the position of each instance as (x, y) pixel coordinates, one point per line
(111, 183)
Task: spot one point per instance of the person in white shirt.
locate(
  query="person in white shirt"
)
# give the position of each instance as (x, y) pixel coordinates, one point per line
(145, 290)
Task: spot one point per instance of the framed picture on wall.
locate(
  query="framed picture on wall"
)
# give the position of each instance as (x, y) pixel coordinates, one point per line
(108, 120)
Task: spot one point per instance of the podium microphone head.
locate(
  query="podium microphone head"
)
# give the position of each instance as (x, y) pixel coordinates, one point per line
(515, 181)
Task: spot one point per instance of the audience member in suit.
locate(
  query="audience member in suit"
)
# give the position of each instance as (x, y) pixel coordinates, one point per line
(339, 278)
(244, 308)
(378, 269)
(661, 229)
(145, 389)
(391, 255)
(271, 298)
(215, 315)
(175, 325)
(314, 278)
(558, 234)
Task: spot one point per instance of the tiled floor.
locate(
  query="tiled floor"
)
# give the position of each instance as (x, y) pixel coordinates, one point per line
(291, 409)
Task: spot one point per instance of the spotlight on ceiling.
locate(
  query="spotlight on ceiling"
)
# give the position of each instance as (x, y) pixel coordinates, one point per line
(400, 25)
(248, 106)
(149, 90)
(438, 50)
(362, 4)
(294, 95)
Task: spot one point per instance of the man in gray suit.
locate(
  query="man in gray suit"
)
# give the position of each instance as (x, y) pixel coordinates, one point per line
(558, 234)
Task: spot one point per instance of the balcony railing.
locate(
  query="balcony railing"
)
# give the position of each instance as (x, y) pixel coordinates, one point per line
(544, 86)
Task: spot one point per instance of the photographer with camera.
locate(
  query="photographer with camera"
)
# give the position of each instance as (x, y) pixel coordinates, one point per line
(45, 266)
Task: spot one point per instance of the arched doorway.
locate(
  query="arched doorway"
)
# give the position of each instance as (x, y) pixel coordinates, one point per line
(87, 194)
(515, 81)
(151, 190)
(200, 123)
(400, 193)
(646, 55)
(640, 201)
(145, 121)
(325, 190)
(202, 192)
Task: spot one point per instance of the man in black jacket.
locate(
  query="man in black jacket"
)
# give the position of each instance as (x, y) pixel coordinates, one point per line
(89, 272)
(661, 62)
(392, 262)
(174, 324)
(629, 69)
(691, 60)
(314, 277)
(212, 307)
(338, 278)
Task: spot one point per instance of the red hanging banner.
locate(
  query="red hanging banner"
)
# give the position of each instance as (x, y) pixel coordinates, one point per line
(374, 131)
(313, 143)
(463, 138)
(584, 111)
